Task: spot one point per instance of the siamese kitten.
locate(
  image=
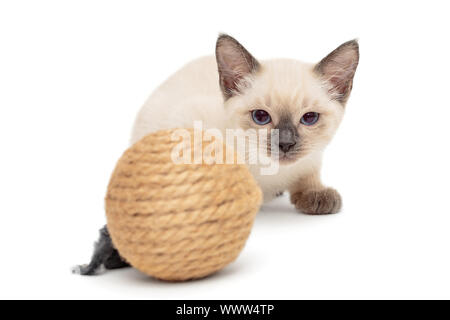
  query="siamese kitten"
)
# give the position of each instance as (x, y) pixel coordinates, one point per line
(233, 90)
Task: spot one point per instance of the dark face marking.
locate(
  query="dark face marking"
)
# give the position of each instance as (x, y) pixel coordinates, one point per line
(234, 62)
(339, 68)
(289, 138)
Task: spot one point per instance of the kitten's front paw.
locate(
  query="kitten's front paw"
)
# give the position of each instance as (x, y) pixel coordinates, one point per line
(324, 201)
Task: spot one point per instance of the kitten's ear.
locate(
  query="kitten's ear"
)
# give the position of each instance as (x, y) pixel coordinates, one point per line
(234, 63)
(338, 70)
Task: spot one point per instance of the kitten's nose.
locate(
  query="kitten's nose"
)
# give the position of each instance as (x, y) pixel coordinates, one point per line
(287, 135)
(286, 146)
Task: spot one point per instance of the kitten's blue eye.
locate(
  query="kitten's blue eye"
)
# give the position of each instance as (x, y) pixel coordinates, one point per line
(261, 117)
(309, 118)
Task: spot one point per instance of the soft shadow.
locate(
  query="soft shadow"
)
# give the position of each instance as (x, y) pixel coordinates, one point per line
(277, 213)
(134, 277)
(281, 212)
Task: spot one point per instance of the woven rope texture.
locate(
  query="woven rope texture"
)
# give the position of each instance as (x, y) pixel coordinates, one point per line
(179, 222)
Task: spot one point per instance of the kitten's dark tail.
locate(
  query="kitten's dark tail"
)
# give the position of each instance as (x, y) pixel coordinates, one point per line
(105, 257)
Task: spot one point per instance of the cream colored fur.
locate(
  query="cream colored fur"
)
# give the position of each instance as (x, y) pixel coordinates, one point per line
(280, 86)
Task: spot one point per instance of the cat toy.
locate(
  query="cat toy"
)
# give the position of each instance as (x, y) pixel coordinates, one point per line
(179, 221)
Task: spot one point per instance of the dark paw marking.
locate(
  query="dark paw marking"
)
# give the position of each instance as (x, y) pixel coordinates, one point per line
(105, 257)
(87, 270)
(324, 201)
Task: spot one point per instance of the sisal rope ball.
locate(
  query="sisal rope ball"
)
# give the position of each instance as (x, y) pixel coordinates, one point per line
(175, 221)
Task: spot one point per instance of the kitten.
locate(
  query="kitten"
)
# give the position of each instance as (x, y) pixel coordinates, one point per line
(233, 90)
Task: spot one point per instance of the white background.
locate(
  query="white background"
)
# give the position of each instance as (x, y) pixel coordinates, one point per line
(74, 74)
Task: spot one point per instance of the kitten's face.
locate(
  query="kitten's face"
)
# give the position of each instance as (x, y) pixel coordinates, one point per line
(304, 102)
(286, 95)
